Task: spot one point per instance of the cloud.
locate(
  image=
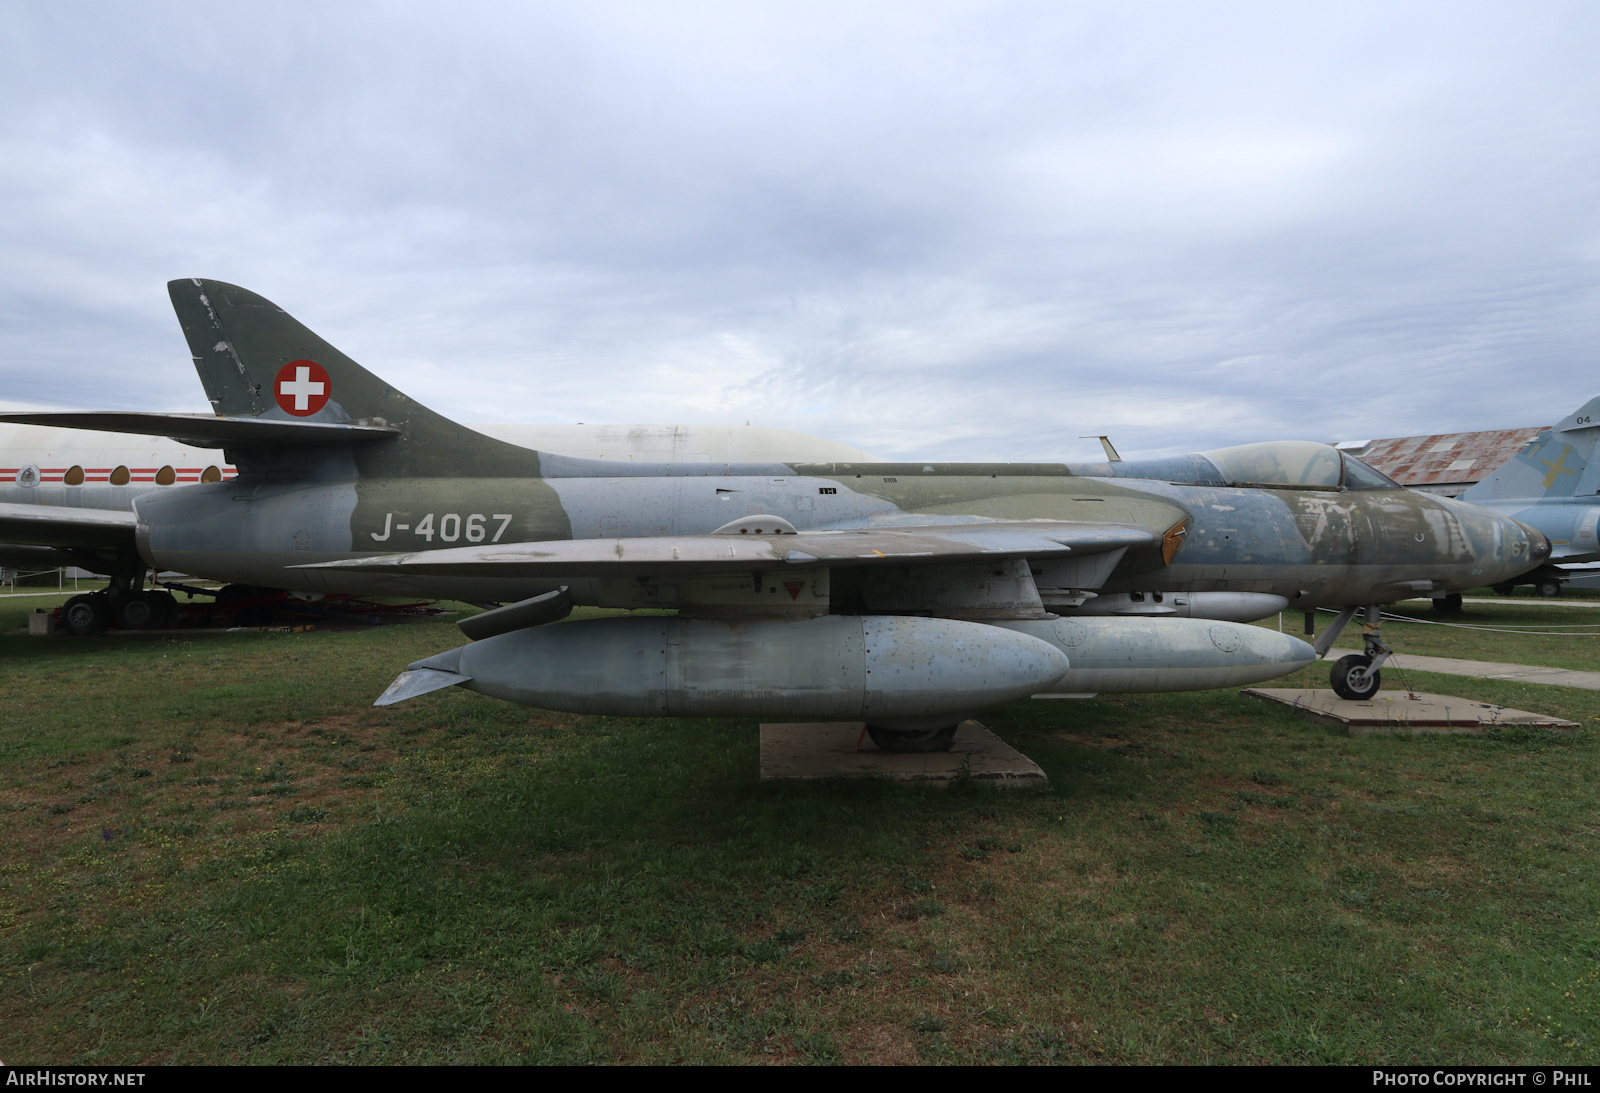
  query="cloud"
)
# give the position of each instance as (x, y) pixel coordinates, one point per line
(938, 231)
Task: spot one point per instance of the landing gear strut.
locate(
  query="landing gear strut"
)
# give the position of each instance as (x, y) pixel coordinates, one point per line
(1357, 676)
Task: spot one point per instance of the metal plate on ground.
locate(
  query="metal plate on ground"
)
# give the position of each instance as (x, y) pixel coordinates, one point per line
(810, 751)
(1397, 712)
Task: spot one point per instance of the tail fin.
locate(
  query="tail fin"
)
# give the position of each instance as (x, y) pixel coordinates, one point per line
(257, 360)
(1559, 462)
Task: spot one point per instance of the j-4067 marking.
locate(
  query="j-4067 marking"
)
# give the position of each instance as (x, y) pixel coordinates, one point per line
(450, 527)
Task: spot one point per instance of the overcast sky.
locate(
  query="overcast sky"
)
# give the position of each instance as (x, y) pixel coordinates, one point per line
(928, 230)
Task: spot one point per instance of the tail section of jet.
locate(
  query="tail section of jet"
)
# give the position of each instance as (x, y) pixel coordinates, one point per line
(1558, 464)
(256, 360)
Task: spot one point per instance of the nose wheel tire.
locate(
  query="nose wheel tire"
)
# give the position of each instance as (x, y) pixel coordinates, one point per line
(1351, 678)
(921, 740)
(1548, 587)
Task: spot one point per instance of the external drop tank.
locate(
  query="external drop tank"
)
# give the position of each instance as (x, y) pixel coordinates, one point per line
(1111, 655)
(893, 672)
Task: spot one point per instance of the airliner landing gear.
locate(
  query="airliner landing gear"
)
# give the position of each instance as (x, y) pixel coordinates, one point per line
(125, 602)
(87, 614)
(94, 612)
(153, 610)
(167, 604)
(1357, 677)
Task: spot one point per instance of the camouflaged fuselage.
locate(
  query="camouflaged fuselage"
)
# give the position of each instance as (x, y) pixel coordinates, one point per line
(1314, 547)
(336, 464)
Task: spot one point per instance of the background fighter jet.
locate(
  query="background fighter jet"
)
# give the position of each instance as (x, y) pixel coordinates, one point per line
(904, 594)
(1553, 485)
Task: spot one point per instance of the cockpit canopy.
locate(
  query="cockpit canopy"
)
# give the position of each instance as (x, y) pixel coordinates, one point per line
(1302, 464)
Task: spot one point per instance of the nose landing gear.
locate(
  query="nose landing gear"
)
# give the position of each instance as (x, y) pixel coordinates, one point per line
(1357, 676)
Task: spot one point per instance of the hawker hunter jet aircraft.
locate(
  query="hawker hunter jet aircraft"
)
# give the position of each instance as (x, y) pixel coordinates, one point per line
(906, 595)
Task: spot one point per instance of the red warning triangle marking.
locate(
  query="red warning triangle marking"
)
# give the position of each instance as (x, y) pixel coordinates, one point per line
(794, 588)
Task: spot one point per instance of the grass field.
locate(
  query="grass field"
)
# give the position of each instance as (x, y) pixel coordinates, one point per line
(217, 851)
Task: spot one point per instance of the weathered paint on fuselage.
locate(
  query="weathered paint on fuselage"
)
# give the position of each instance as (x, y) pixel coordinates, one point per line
(1321, 548)
(1314, 547)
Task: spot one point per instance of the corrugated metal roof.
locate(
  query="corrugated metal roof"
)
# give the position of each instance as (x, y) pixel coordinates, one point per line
(1443, 459)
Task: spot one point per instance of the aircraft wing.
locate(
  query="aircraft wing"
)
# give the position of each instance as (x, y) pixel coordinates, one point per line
(59, 526)
(210, 431)
(722, 553)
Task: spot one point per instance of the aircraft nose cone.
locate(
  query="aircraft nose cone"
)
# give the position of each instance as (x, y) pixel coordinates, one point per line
(1539, 548)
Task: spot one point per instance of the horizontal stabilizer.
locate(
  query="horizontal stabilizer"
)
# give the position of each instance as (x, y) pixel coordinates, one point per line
(722, 553)
(59, 526)
(418, 681)
(210, 431)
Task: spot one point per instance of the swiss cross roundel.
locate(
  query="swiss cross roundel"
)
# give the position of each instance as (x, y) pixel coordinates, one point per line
(302, 388)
